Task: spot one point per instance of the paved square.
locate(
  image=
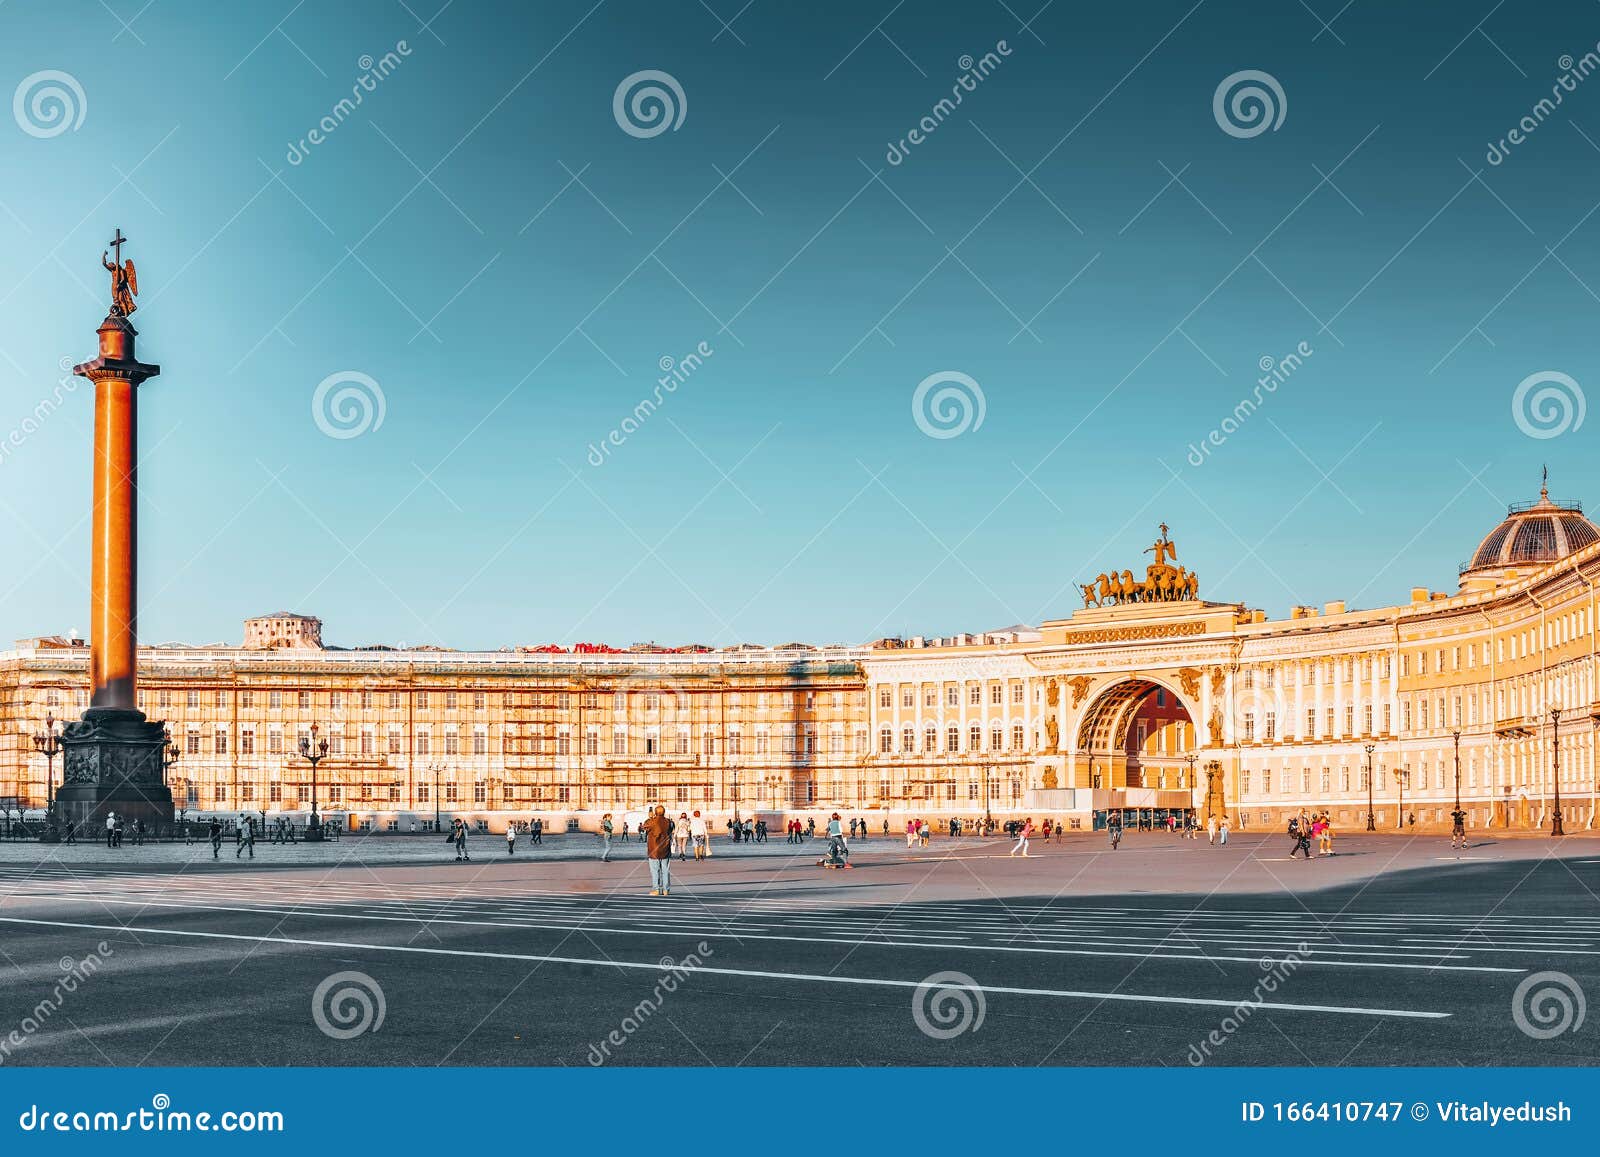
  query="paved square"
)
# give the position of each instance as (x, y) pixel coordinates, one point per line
(1167, 951)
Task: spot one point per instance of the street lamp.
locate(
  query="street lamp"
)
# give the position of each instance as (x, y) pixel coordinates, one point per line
(1372, 816)
(48, 742)
(169, 756)
(1190, 759)
(736, 795)
(1401, 774)
(1456, 737)
(313, 751)
(435, 768)
(988, 772)
(1555, 755)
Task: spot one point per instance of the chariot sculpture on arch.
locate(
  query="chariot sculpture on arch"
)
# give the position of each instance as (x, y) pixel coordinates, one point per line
(1162, 582)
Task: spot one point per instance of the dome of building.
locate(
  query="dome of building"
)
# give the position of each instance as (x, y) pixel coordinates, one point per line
(1533, 534)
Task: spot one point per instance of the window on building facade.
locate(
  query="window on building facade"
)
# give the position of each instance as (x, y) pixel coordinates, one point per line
(394, 701)
(908, 740)
(886, 741)
(424, 742)
(274, 700)
(952, 697)
(952, 739)
(884, 699)
(304, 700)
(394, 741)
(452, 741)
(247, 741)
(219, 744)
(479, 700)
(1018, 737)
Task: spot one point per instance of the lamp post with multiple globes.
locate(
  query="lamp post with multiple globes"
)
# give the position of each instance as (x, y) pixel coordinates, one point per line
(313, 751)
(1372, 816)
(48, 744)
(1555, 770)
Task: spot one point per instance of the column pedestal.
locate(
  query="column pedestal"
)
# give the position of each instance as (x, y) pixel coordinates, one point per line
(113, 763)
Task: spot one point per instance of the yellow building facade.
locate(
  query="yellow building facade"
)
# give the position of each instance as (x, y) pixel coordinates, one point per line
(1149, 698)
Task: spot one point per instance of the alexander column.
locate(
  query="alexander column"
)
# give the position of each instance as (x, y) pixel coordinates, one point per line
(113, 755)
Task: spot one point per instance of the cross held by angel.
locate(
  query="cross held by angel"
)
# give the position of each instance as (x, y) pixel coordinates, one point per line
(124, 278)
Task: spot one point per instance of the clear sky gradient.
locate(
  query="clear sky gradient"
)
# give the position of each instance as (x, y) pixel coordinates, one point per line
(1080, 237)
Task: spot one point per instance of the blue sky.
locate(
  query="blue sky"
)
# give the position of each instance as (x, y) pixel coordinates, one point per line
(483, 242)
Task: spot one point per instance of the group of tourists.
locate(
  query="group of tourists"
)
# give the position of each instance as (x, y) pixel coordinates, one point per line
(1303, 829)
(115, 826)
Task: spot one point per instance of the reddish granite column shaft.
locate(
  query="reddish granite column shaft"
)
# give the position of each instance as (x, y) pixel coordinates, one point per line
(112, 655)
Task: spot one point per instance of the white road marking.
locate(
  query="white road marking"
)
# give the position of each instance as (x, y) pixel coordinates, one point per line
(758, 974)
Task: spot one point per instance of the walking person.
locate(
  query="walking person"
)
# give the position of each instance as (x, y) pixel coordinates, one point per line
(1024, 830)
(697, 832)
(215, 833)
(459, 831)
(658, 833)
(1211, 829)
(680, 836)
(1222, 831)
(1114, 828)
(605, 838)
(624, 831)
(72, 832)
(1458, 829)
(247, 837)
(511, 838)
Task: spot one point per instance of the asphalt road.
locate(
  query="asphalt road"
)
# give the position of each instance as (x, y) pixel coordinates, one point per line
(1168, 951)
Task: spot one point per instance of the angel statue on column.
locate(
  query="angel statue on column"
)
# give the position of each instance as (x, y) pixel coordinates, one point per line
(124, 284)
